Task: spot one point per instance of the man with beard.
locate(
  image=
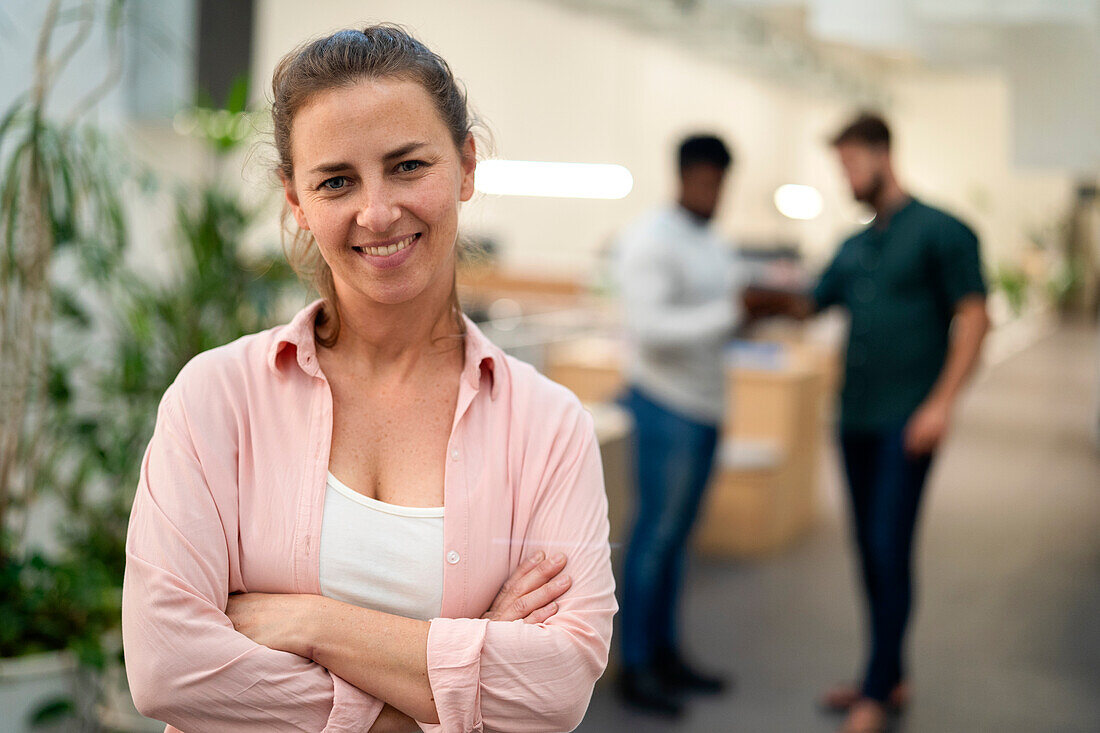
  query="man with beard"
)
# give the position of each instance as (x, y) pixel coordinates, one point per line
(912, 284)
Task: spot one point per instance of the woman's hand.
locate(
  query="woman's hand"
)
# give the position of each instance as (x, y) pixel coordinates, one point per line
(275, 620)
(532, 591)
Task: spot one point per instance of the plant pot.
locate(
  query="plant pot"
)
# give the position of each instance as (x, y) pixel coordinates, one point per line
(30, 682)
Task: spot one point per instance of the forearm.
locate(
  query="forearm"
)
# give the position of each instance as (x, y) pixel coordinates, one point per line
(382, 654)
(970, 326)
(187, 667)
(761, 303)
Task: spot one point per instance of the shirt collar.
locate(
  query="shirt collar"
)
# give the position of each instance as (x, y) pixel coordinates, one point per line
(892, 216)
(481, 355)
(299, 334)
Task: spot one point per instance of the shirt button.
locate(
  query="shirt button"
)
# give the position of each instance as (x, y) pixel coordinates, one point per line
(453, 557)
(454, 454)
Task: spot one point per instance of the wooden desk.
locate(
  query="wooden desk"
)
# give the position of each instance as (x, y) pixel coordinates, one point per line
(759, 509)
(748, 510)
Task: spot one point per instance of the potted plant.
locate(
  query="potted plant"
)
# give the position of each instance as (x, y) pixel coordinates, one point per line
(58, 197)
(148, 328)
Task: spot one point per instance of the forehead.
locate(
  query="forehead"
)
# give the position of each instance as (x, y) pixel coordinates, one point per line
(853, 152)
(703, 172)
(368, 117)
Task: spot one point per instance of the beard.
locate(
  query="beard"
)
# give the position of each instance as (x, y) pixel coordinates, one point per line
(872, 191)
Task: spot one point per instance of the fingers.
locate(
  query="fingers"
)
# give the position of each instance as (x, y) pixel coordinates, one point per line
(537, 574)
(542, 597)
(541, 615)
(530, 590)
(508, 590)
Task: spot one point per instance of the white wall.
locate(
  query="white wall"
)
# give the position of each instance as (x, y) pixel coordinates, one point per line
(955, 148)
(558, 85)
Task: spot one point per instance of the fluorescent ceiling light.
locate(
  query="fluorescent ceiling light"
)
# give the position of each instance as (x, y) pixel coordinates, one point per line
(798, 202)
(563, 180)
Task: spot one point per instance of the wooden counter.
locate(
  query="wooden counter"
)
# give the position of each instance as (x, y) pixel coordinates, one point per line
(753, 506)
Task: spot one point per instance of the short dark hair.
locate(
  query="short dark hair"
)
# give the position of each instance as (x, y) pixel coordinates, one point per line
(704, 149)
(867, 129)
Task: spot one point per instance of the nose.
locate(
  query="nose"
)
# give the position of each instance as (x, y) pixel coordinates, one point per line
(378, 210)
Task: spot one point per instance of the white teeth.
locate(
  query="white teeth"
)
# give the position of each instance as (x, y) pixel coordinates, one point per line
(389, 250)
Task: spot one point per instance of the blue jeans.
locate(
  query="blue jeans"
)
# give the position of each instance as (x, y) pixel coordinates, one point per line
(885, 485)
(673, 457)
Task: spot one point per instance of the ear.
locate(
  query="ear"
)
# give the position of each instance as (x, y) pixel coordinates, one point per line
(469, 164)
(292, 202)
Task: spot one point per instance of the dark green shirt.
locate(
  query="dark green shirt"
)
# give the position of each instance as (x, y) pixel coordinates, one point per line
(900, 283)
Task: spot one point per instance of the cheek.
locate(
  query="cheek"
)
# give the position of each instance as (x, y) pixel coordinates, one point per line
(436, 204)
(328, 216)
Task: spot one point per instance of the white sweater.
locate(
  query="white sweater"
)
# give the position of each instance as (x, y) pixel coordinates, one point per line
(678, 281)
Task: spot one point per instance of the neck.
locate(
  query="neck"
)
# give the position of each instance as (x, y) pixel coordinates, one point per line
(394, 339)
(891, 198)
(695, 215)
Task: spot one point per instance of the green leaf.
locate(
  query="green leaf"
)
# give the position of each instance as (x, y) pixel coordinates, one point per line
(53, 712)
(237, 99)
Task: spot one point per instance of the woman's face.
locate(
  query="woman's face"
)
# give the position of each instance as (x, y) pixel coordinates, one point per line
(378, 181)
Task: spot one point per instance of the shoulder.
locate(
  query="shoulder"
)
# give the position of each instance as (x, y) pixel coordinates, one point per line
(541, 406)
(553, 436)
(213, 385)
(647, 231)
(242, 358)
(944, 224)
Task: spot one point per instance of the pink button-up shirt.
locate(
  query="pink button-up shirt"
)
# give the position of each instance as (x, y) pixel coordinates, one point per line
(230, 499)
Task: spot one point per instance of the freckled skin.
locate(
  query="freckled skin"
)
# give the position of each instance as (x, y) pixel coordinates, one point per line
(391, 414)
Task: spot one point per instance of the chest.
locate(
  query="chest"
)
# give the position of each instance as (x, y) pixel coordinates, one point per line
(701, 271)
(389, 442)
(888, 269)
(281, 505)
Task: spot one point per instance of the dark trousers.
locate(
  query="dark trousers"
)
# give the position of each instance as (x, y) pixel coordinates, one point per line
(885, 486)
(673, 458)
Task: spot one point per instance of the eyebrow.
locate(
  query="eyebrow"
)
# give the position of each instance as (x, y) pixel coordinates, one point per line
(405, 149)
(396, 153)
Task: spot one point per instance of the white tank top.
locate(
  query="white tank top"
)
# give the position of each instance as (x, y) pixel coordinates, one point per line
(381, 556)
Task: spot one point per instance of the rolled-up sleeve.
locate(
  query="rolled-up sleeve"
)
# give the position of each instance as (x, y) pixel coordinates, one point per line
(515, 676)
(186, 664)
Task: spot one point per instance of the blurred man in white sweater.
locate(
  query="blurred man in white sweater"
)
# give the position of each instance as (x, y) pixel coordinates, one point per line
(681, 303)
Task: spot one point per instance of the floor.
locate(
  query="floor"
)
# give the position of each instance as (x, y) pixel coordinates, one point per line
(1007, 633)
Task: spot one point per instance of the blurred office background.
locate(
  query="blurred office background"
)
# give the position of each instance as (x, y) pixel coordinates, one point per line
(996, 118)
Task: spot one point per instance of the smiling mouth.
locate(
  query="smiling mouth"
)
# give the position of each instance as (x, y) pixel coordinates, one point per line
(387, 250)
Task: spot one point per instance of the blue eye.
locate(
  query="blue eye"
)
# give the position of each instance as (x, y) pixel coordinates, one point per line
(335, 183)
(409, 166)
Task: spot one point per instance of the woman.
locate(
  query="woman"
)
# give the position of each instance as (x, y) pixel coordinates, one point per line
(360, 519)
